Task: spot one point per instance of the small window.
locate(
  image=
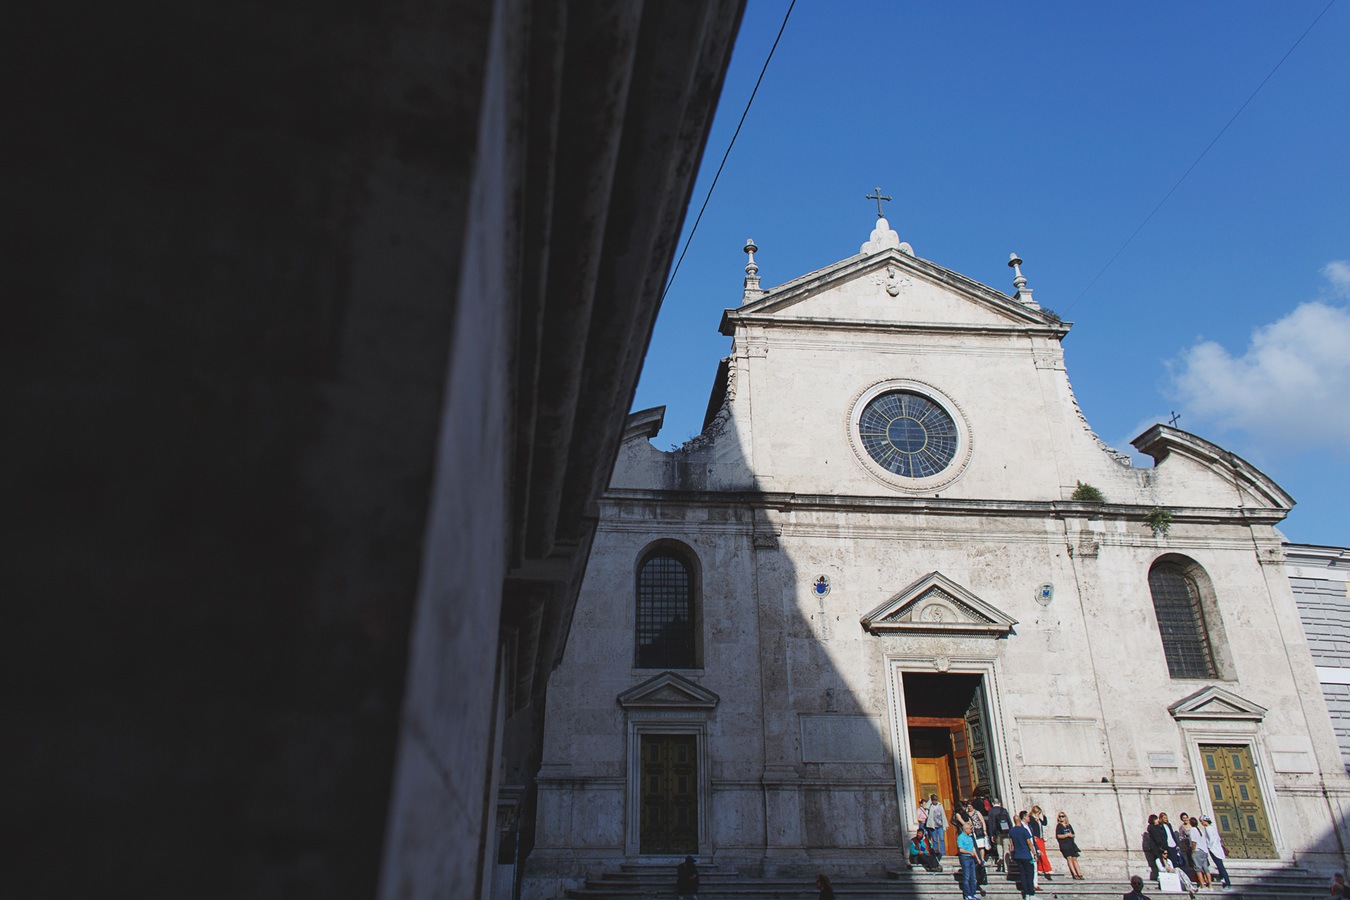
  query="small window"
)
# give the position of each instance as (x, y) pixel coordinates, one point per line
(1181, 622)
(666, 626)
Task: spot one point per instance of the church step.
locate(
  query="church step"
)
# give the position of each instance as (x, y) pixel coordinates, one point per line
(659, 883)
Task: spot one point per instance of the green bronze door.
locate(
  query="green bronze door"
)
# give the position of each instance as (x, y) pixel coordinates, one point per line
(669, 794)
(1239, 809)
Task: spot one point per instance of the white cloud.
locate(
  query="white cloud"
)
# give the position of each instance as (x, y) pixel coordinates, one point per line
(1337, 272)
(1290, 389)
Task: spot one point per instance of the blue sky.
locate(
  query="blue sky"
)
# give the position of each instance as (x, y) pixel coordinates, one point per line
(1053, 129)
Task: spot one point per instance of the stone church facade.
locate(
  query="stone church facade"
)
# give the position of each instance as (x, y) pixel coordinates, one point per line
(875, 574)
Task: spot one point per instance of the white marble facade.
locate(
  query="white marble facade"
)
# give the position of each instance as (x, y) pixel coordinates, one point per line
(985, 567)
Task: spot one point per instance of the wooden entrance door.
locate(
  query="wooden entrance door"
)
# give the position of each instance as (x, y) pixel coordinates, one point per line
(1239, 809)
(933, 766)
(669, 800)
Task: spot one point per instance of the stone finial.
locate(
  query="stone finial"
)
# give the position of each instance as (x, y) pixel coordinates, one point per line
(752, 290)
(1020, 281)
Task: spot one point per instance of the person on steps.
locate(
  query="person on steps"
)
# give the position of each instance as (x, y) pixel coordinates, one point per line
(966, 853)
(1216, 852)
(1136, 889)
(686, 880)
(1023, 853)
(1068, 847)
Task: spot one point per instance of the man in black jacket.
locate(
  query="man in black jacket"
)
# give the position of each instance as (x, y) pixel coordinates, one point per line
(1153, 851)
(999, 823)
(1169, 843)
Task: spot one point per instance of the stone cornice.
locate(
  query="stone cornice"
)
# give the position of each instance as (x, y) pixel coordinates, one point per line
(733, 318)
(1054, 509)
(798, 289)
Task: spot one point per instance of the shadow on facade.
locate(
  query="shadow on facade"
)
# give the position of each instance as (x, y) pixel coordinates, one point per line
(838, 679)
(800, 740)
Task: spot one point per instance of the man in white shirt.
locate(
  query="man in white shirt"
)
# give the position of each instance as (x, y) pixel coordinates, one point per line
(1216, 851)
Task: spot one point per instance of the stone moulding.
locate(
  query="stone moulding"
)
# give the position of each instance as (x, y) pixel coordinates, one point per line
(1216, 703)
(668, 691)
(937, 605)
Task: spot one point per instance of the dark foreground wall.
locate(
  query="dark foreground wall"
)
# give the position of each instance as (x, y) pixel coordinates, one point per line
(244, 361)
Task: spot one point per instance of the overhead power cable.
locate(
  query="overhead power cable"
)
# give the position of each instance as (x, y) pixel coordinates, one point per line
(731, 144)
(1230, 121)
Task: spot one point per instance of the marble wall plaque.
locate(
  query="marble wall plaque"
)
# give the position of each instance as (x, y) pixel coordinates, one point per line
(1061, 741)
(842, 739)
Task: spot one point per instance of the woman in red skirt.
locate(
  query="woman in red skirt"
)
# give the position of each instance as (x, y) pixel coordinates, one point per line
(1038, 825)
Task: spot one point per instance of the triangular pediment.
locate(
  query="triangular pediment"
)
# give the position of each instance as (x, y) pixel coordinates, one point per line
(668, 691)
(937, 605)
(891, 287)
(1216, 703)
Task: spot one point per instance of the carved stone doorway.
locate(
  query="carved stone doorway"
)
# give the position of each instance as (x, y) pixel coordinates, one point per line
(946, 721)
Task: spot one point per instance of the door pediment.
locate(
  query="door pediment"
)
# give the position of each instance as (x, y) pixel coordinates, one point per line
(937, 605)
(1216, 703)
(668, 691)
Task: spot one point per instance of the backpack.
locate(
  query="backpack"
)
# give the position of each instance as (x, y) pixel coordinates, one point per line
(1148, 842)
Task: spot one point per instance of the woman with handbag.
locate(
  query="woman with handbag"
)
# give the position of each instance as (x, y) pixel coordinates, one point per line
(981, 831)
(1038, 824)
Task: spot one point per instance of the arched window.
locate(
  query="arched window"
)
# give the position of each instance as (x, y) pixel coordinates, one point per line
(666, 612)
(1181, 621)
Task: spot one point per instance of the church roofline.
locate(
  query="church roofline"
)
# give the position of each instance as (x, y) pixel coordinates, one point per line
(1161, 441)
(799, 288)
(718, 395)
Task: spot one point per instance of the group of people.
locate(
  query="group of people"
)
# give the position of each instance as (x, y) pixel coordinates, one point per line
(1188, 848)
(982, 824)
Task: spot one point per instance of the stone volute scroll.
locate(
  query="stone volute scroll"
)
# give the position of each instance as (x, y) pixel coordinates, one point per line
(936, 605)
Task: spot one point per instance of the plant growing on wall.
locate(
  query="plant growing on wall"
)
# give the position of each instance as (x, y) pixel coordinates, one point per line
(1088, 493)
(1159, 520)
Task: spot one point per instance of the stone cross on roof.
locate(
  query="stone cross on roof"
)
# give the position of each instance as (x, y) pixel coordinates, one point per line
(878, 196)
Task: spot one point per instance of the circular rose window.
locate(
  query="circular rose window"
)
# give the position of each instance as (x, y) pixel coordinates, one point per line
(908, 434)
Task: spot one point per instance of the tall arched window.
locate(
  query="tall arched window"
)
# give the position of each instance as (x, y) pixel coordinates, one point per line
(1181, 622)
(666, 612)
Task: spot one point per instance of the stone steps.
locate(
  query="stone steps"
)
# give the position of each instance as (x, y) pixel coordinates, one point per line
(641, 881)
